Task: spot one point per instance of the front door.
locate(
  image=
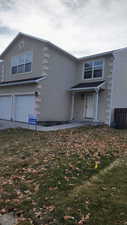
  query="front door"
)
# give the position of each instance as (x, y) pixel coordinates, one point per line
(89, 106)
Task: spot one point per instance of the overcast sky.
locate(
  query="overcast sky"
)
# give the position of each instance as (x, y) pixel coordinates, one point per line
(81, 27)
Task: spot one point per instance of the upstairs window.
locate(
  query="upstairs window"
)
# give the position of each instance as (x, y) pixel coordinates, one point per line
(93, 69)
(22, 63)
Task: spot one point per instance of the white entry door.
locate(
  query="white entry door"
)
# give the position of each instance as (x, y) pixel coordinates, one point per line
(5, 107)
(90, 106)
(24, 105)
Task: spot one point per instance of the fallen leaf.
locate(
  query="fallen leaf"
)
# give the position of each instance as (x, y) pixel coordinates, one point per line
(84, 219)
(68, 217)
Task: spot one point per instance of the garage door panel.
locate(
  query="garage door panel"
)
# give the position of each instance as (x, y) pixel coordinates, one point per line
(24, 105)
(5, 107)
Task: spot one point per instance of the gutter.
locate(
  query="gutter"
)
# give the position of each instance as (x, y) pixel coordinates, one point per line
(81, 89)
(99, 86)
(43, 78)
(23, 82)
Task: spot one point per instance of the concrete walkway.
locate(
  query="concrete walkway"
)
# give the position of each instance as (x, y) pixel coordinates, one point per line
(5, 124)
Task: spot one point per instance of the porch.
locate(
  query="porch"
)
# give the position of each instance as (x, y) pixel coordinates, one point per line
(85, 101)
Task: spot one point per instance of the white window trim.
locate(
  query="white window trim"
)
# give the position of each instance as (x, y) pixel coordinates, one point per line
(93, 78)
(22, 72)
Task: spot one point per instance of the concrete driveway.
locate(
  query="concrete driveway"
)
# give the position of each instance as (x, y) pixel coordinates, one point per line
(5, 124)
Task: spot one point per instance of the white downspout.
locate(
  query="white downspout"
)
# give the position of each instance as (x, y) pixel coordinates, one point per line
(97, 104)
(2, 69)
(72, 105)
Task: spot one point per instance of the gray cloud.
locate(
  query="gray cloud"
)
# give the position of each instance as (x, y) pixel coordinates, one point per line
(6, 4)
(79, 26)
(6, 31)
(75, 5)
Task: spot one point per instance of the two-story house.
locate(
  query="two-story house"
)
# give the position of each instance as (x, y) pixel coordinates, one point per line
(39, 78)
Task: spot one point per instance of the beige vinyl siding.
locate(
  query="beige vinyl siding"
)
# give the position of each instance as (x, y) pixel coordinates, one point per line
(119, 89)
(56, 99)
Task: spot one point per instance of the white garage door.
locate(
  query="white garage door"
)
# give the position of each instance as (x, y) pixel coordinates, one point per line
(5, 107)
(24, 105)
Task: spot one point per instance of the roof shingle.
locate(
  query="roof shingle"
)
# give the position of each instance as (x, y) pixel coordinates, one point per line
(88, 85)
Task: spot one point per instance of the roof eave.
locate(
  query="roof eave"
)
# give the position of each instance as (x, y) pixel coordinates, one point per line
(42, 78)
(96, 55)
(82, 89)
(23, 82)
(88, 88)
(16, 84)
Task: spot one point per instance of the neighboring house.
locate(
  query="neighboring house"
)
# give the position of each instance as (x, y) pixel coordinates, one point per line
(39, 78)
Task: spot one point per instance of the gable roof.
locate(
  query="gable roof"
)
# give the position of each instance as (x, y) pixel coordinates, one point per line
(37, 39)
(88, 84)
(60, 49)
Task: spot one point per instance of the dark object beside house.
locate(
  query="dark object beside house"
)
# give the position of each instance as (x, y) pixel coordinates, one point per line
(120, 118)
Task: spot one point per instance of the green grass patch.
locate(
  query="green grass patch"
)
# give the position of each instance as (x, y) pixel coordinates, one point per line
(44, 176)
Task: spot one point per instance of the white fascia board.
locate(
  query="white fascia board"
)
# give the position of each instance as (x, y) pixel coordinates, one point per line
(42, 78)
(101, 85)
(82, 89)
(15, 83)
(23, 82)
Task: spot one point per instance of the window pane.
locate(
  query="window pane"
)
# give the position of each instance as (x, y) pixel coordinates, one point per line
(88, 74)
(14, 69)
(98, 63)
(88, 65)
(14, 61)
(28, 67)
(20, 59)
(97, 73)
(21, 69)
(88, 70)
(28, 57)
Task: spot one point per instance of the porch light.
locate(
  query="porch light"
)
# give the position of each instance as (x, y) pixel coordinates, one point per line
(36, 93)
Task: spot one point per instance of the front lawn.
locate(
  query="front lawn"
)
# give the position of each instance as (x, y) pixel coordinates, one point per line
(44, 176)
